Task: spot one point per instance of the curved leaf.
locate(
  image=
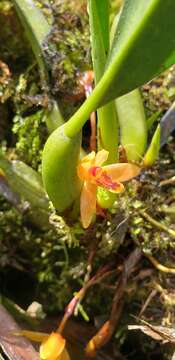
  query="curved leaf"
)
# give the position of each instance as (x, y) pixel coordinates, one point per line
(37, 28)
(99, 27)
(143, 46)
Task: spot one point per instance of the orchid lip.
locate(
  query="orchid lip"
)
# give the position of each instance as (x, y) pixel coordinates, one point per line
(103, 179)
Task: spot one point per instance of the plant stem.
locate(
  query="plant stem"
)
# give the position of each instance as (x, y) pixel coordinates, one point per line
(108, 131)
(167, 181)
(74, 125)
(157, 224)
(107, 137)
(159, 266)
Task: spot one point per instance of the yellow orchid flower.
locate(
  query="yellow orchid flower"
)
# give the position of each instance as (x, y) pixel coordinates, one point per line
(53, 346)
(93, 174)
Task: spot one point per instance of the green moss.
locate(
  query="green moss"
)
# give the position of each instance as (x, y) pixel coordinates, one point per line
(67, 51)
(31, 133)
(160, 92)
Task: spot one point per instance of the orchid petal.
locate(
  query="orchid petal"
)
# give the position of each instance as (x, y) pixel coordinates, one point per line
(122, 171)
(82, 172)
(87, 203)
(33, 335)
(85, 164)
(101, 157)
(52, 347)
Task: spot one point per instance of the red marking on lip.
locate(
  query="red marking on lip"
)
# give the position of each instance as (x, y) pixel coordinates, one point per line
(95, 171)
(106, 181)
(103, 179)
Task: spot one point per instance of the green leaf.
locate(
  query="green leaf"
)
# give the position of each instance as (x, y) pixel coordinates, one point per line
(131, 117)
(152, 119)
(103, 15)
(132, 121)
(153, 151)
(25, 181)
(143, 46)
(107, 130)
(37, 29)
(99, 28)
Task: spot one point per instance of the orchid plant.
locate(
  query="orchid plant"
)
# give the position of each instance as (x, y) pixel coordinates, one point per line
(118, 67)
(139, 46)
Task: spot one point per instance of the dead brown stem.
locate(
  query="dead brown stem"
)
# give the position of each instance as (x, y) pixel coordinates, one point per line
(159, 266)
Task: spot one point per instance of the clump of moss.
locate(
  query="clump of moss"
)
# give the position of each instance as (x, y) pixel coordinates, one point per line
(153, 199)
(67, 50)
(68, 54)
(30, 132)
(160, 92)
(44, 254)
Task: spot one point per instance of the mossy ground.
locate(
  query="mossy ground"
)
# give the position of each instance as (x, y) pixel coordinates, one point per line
(49, 265)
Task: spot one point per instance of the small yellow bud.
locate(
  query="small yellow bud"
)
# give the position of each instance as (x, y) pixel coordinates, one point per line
(52, 347)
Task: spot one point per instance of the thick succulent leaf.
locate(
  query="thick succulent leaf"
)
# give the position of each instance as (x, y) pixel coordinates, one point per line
(133, 130)
(143, 46)
(99, 28)
(131, 117)
(36, 27)
(59, 168)
(103, 15)
(24, 181)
